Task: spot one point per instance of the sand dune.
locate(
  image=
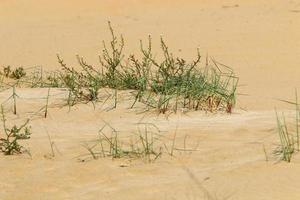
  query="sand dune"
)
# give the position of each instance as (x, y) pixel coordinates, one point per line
(259, 40)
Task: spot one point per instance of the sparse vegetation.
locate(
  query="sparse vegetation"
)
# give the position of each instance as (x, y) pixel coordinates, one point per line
(53, 148)
(139, 146)
(166, 85)
(289, 140)
(9, 143)
(6, 71)
(16, 74)
(147, 144)
(47, 104)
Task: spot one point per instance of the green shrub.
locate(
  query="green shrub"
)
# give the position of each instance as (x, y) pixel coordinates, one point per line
(9, 143)
(164, 85)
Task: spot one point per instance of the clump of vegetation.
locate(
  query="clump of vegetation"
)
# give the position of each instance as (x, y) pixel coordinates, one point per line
(165, 85)
(147, 144)
(6, 71)
(84, 85)
(142, 146)
(9, 143)
(289, 140)
(17, 73)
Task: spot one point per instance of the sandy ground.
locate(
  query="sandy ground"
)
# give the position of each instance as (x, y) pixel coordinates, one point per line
(261, 41)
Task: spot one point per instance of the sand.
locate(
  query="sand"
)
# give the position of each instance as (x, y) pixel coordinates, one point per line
(259, 40)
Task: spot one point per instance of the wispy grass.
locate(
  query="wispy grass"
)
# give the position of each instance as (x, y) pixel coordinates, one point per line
(141, 146)
(289, 140)
(146, 144)
(13, 97)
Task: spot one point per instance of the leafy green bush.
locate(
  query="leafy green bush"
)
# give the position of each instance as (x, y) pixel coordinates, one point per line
(164, 85)
(9, 143)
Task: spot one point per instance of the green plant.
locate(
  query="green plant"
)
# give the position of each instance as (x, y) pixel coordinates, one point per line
(53, 148)
(141, 146)
(176, 83)
(287, 143)
(166, 85)
(146, 144)
(53, 80)
(73, 80)
(18, 73)
(9, 143)
(289, 140)
(14, 97)
(7, 71)
(47, 103)
(112, 60)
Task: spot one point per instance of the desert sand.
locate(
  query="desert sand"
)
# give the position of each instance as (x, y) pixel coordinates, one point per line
(234, 160)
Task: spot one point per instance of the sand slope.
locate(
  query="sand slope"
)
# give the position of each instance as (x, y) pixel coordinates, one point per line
(229, 160)
(261, 41)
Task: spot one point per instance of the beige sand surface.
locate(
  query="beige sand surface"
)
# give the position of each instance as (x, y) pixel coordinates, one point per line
(260, 40)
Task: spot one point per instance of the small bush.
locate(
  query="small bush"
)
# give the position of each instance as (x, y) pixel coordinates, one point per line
(17, 73)
(9, 143)
(164, 85)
